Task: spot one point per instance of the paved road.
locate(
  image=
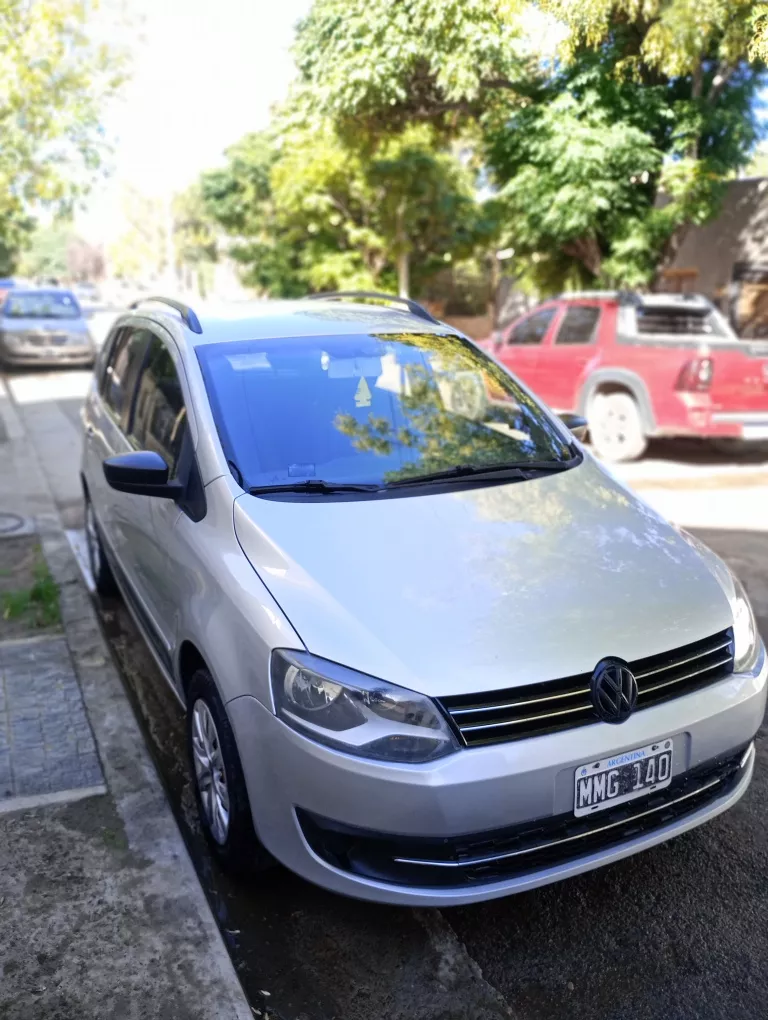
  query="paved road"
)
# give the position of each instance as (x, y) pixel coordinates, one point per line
(680, 931)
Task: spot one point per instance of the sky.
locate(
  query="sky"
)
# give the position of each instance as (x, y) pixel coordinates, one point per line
(204, 73)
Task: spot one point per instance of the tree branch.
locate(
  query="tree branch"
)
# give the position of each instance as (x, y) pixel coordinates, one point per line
(724, 74)
(587, 251)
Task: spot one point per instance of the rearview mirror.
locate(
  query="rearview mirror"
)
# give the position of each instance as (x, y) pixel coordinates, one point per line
(576, 424)
(143, 473)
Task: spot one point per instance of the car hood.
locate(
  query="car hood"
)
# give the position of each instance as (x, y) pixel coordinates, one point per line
(485, 588)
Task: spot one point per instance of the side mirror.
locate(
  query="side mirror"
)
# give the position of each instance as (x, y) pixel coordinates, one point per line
(576, 424)
(143, 473)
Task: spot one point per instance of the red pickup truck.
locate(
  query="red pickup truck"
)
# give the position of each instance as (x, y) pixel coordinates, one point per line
(640, 366)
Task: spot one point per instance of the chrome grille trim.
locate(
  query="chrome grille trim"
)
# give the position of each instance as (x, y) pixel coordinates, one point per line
(686, 676)
(527, 718)
(683, 662)
(522, 702)
(562, 704)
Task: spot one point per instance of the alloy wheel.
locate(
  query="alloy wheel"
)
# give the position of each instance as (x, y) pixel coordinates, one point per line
(210, 773)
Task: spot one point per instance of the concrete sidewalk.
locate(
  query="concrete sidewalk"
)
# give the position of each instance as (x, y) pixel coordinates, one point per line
(101, 913)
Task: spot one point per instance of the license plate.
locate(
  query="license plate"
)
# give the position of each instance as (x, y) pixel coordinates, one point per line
(621, 777)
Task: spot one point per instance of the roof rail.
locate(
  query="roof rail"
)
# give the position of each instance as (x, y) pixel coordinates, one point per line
(413, 306)
(624, 297)
(188, 317)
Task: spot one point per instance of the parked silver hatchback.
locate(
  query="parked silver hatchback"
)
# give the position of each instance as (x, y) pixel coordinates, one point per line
(430, 651)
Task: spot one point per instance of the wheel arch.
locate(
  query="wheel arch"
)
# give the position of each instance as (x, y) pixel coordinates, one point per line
(612, 380)
(189, 659)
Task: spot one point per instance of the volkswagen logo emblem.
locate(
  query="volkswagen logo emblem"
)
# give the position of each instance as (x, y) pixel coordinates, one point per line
(614, 691)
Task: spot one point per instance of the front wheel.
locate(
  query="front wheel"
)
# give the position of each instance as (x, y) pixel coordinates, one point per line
(220, 791)
(615, 427)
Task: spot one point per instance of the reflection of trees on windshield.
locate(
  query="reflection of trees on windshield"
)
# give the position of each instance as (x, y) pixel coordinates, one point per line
(456, 407)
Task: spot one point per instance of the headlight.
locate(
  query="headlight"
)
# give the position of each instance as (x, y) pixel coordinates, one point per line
(357, 713)
(745, 636)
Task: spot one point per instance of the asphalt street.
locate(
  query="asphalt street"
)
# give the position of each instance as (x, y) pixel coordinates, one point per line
(680, 931)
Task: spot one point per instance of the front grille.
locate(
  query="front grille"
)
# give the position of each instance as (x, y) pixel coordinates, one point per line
(523, 849)
(537, 709)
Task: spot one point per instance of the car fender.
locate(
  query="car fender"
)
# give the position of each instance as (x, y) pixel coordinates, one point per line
(628, 380)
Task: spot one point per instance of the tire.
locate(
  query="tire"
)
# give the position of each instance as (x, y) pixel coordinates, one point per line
(103, 578)
(615, 427)
(220, 792)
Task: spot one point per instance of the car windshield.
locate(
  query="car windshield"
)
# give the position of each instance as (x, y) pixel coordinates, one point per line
(371, 409)
(41, 304)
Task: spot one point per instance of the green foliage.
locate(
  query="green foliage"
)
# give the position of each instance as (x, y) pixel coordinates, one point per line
(601, 158)
(139, 251)
(375, 65)
(309, 213)
(194, 237)
(56, 252)
(674, 80)
(54, 80)
(46, 255)
(39, 604)
(238, 198)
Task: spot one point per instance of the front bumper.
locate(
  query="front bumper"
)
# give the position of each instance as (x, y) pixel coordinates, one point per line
(478, 794)
(29, 357)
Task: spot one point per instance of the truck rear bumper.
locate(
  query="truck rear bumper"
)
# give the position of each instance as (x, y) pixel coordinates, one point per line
(693, 414)
(743, 424)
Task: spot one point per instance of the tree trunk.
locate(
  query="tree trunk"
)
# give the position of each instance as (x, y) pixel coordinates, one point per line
(587, 250)
(697, 84)
(669, 252)
(403, 274)
(401, 258)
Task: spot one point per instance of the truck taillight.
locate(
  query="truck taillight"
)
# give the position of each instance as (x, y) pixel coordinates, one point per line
(696, 375)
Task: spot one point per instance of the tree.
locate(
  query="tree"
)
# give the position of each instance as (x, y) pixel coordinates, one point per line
(54, 81)
(308, 212)
(56, 252)
(238, 197)
(682, 73)
(601, 158)
(194, 238)
(139, 252)
(376, 66)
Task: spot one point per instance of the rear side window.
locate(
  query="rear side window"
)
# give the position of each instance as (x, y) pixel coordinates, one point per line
(123, 368)
(678, 321)
(579, 325)
(159, 417)
(533, 329)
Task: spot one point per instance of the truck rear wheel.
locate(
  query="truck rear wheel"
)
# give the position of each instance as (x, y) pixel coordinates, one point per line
(615, 427)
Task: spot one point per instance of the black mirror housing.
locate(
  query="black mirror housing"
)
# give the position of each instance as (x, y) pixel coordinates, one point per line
(576, 424)
(143, 473)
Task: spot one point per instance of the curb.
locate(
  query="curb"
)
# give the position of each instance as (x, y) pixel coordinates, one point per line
(131, 778)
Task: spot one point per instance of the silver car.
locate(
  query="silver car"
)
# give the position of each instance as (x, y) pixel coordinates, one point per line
(43, 327)
(430, 651)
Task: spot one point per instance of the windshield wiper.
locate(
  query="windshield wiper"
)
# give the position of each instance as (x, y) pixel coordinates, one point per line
(313, 485)
(515, 469)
